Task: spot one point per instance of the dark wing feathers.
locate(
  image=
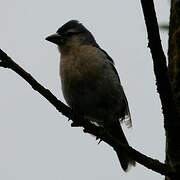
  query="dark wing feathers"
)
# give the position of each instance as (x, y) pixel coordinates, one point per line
(128, 120)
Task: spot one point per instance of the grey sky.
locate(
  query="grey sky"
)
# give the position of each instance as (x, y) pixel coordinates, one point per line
(37, 142)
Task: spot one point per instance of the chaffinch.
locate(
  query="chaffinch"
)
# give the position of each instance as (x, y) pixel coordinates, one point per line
(90, 82)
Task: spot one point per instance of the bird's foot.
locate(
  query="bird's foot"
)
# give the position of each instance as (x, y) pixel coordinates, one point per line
(77, 117)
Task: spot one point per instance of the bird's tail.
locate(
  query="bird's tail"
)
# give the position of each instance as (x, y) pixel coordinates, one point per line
(125, 160)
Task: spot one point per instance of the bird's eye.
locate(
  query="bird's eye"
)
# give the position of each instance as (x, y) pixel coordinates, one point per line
(71, 33)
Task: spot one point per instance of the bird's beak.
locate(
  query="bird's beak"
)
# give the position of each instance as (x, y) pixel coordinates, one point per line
(54, 38)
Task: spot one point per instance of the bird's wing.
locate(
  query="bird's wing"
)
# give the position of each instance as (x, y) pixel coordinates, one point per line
(127, 119)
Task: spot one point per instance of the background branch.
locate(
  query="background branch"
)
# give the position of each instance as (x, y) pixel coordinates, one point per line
(159, 62)
(164, 87)
(173, 132)
(99, 132)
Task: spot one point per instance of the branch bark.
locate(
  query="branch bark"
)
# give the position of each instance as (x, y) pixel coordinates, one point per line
(99, 132)
(172, 138)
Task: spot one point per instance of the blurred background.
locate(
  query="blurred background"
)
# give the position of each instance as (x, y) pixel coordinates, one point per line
(37, 142)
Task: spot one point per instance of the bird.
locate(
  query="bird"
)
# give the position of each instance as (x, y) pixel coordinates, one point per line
(91, 84)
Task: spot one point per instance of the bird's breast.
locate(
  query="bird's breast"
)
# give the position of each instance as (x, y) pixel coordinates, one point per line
(80, 66)
(74, 76)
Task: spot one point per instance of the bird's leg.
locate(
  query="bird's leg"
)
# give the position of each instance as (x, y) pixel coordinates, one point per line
(77, 116)
(108, 126)
(103, 131)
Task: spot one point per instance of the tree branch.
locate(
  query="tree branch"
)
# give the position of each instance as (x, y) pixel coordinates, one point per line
(159, 61)
(99, 132)
(167, 95)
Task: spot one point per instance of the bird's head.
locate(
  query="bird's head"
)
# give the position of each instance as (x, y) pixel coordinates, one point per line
(72, 34)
